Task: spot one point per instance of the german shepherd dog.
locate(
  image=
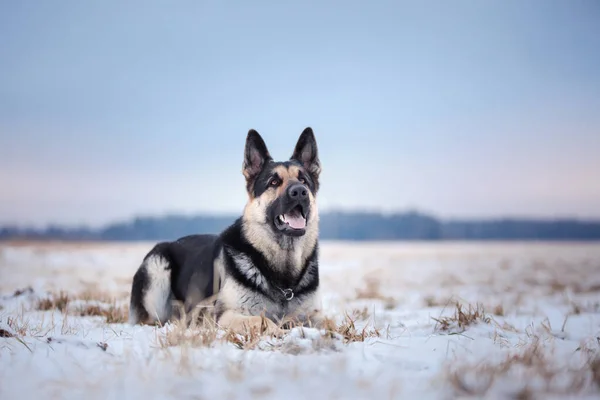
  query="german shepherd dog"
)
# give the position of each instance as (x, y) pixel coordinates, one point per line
(262, 271)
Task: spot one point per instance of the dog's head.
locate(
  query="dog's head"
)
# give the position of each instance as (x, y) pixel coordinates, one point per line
(282, 194)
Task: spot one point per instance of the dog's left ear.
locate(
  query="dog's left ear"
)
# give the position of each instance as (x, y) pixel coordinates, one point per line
(306, 153)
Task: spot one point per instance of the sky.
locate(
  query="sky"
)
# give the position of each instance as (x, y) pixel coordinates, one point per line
(111, 109)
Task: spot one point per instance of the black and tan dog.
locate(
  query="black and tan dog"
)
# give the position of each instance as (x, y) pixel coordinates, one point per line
(264, 265)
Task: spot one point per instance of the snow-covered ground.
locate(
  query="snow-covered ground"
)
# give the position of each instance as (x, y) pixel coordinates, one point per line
(529, 325)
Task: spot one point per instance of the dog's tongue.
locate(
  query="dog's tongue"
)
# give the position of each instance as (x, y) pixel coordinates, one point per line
(295, 220)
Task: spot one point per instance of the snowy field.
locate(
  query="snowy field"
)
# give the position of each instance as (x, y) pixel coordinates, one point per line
(411, 321)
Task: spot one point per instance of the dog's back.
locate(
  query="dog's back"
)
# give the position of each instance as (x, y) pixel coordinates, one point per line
(179, 270)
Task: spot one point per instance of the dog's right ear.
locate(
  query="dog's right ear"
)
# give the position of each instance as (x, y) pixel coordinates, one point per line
(256, 155)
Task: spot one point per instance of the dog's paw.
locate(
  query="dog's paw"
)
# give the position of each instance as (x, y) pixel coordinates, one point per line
(314, 319)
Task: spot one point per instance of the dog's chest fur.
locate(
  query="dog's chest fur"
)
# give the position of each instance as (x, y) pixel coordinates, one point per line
(254, 288)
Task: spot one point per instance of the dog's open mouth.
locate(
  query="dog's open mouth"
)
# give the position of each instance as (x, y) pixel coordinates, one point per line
(295, 219)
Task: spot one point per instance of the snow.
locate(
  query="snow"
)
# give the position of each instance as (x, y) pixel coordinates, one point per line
(539, 332)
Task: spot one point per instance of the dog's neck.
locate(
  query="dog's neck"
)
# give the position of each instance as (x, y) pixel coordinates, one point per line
(285, 253)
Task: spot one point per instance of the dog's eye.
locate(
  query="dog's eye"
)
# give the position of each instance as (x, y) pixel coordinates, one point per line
(274, 182)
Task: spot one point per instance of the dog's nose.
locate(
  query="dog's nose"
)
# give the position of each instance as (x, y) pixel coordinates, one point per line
(298, 192)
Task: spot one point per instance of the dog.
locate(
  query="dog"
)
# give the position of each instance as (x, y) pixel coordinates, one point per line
(261, 272)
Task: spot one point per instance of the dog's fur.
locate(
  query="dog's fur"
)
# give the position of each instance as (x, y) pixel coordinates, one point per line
(260, 266)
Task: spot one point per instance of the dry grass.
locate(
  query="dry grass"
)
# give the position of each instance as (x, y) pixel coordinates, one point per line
(22, 325)
(526, 372)
(58, 301)
(433, 301)
(594, 364)
(5, 334)
(204, 332)
(20, 292)
(360, 315)
(430, 301)
(198, 330)
(113, 313)
(105, 306)
(190, 331)
(592, 288)
(18, 325)
(251, 337)
(372, 291)
(578, 308)
(201, 330)
(97, 295)
(247, 340)
(461, 319)
(348, 331)
(498, 310)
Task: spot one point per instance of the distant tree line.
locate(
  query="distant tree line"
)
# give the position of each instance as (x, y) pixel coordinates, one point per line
(334, 225)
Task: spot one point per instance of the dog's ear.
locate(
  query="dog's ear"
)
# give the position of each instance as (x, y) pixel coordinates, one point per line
(307, 154)
(256, 155)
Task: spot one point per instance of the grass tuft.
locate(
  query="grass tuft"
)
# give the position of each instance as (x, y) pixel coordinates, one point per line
(248, 340)
(104, 306)
(58, 301)
(113, 313)
(5, 334)
(348, 330)
(20, 292)
(190, 331)
(499, 310)
(461, 319)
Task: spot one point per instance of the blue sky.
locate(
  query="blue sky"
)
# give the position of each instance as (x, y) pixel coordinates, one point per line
(462, 109)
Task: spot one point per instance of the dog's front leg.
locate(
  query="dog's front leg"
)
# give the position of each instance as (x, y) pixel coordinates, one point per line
(241, 324)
